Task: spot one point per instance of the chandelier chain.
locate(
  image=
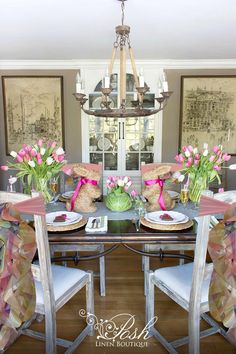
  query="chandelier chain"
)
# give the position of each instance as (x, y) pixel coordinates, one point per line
(123, 12)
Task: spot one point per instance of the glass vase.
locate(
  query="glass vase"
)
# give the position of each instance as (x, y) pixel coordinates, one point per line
(197, 185)
(40, 184)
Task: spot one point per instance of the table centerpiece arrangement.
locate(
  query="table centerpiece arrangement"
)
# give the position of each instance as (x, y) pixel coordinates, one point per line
(36, 165)
(202, 167)
(118, 198)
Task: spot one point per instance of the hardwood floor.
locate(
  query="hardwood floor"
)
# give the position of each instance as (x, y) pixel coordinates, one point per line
(124, 287)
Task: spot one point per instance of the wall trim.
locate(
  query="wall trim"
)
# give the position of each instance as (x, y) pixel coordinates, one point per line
(75, 64)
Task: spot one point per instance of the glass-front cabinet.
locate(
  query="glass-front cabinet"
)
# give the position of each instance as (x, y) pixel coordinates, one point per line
(121, 144)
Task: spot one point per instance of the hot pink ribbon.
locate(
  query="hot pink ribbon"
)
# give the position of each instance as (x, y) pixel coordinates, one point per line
(160, 181)
(81, 182)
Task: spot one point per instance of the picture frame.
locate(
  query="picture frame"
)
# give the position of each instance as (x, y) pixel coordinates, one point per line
(208, 111)
(33, 109)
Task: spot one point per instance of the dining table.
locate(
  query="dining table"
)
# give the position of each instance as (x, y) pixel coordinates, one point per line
(122, 231)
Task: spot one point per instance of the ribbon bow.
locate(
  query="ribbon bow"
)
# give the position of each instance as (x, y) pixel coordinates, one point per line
(81, 182)
(160, 181)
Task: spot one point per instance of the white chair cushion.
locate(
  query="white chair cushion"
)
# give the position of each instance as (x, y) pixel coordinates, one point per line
(63, 279)
(179, 280)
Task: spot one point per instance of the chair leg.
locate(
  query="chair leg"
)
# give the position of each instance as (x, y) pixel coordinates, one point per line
(149, 300)
(194, 330)
(146, 267)
(50, 332)
(90, 299)
(102, 276)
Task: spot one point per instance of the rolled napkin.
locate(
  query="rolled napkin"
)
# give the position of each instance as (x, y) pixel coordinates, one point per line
(97, 224)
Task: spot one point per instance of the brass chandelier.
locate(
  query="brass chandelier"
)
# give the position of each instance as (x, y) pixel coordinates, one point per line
(122, 43)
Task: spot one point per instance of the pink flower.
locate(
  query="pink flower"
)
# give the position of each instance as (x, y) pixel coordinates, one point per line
(134, 193)
(189, 162)
(27, 157)
(212, 158)
(22, 153)
(177, 158)
(217, 168)
(219, 161)
(40, 142)
(181, 158)
(53, 144)
(61, 158)
(4, 168)
(218, 153)
(226, 157)
(216, 149)
(55, 156)
(190, 148)
(221, 190)
(39, 157)
(40, 161)
(184, 148)
(197, 157)
(19, 158)
(33, 153)
(196, 162)
(67, 170)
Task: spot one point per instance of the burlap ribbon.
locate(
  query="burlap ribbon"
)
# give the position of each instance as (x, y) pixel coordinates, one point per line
(17, 289)
(222, 249)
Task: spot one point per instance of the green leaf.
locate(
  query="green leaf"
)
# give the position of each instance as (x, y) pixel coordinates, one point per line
(29, 179)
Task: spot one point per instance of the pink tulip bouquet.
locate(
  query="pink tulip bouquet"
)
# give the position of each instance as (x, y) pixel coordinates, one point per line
(118, 198)
(39, 163)
(202, 167)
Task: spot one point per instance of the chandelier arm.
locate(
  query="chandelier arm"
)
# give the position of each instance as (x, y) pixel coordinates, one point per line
(131, 55)
(113, 56)
(122, 74)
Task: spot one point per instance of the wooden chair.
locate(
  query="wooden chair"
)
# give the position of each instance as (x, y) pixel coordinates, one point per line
(86, 248)
(165, 247)
(51, 292)
(188, 286)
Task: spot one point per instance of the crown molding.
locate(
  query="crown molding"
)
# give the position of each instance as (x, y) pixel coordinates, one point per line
(88, 63)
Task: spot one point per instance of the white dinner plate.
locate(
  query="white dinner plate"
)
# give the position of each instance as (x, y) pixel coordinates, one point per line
(173, 194)
(172, 222)
(67, 195)
(71, 218)
(228, 197)
(155, 217)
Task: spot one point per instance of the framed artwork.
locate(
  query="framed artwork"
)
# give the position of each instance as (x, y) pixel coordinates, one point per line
(208, 111)
(33, 109)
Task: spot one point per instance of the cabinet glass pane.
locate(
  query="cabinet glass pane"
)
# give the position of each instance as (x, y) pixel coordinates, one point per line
(147, 158)
(95, 158)
(110, 161)
(132, 161)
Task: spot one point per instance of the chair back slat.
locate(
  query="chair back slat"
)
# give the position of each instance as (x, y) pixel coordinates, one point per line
(199, 268)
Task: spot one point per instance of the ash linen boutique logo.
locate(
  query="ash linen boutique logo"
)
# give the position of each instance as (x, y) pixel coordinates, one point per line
(119, 331)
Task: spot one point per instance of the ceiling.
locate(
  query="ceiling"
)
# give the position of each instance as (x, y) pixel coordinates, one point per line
(84, 29)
